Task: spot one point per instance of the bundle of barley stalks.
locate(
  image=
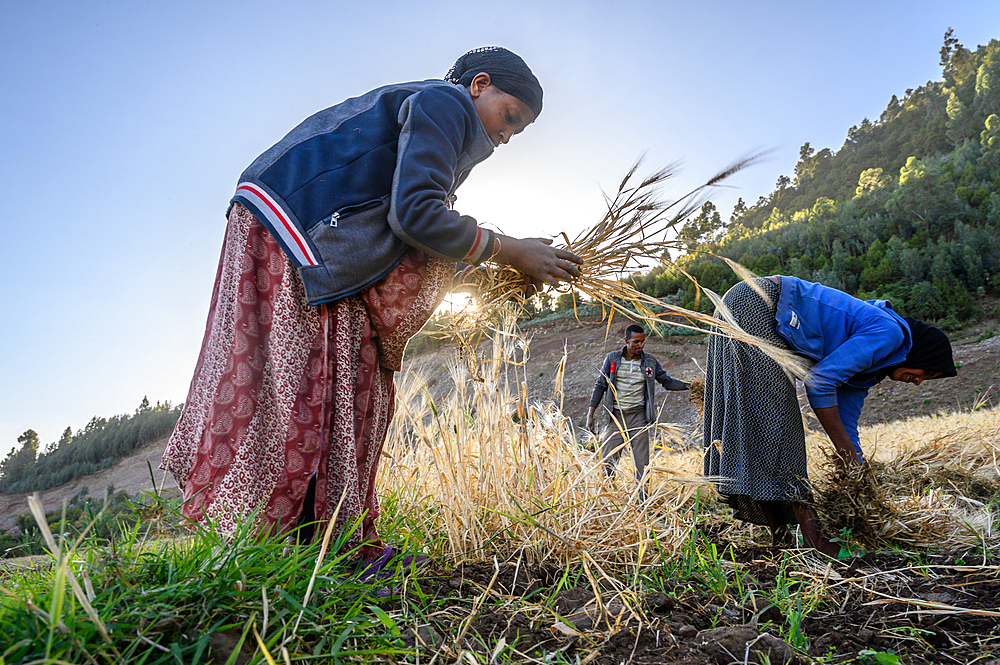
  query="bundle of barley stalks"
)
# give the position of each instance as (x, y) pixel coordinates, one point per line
(932, 482)
(634, 229)
(632, 232)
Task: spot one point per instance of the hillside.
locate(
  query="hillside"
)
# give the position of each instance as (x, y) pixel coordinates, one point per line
(130, 475)
(907, 209)
(585, 346)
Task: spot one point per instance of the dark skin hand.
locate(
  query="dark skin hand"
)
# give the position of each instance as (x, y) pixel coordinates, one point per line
(847, 456)
(829, 418)
(537, 258)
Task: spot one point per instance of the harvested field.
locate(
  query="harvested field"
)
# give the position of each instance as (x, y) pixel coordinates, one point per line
(943, 610)
(542, 559)
(537, 557)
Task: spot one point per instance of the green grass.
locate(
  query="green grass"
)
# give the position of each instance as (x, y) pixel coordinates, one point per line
(194, 599)
(200, 597)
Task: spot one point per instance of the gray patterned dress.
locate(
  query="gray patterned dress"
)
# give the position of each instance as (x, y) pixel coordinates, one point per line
(754, 440)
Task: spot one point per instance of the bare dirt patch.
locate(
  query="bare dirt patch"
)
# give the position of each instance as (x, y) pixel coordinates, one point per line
(942, 610)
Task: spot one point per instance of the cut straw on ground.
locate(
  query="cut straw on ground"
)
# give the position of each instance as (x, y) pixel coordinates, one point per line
(930, 482)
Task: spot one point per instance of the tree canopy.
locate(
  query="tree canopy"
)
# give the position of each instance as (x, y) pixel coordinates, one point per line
(907, 209)
(102, 443)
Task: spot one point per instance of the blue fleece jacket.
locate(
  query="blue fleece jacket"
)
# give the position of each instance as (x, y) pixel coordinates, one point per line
(352, 188)
(849, 339)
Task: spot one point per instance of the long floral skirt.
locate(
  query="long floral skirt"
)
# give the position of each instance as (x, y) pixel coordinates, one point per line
(285, 394)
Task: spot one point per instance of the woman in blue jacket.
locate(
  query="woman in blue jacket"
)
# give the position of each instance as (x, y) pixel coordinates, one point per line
(341, 243)
(754, 438)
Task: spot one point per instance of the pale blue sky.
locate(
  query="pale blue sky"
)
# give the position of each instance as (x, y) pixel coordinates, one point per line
(124, 125)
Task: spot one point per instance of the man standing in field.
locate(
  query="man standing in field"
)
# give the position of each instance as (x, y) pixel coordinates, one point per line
(630, 373)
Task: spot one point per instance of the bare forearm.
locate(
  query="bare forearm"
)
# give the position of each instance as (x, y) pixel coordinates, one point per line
(829, 418)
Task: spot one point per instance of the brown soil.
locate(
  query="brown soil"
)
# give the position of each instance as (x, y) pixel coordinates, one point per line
(902, 612)
(587, 341)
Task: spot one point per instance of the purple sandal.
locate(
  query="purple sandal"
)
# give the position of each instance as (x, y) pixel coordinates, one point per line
(385, 566)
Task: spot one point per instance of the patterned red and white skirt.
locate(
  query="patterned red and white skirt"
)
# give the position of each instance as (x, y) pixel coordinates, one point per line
(285, 394)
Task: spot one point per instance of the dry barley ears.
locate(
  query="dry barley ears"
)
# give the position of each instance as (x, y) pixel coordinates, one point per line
(632, 230)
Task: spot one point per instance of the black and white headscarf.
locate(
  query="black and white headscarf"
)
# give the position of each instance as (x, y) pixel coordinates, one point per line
(507, 71)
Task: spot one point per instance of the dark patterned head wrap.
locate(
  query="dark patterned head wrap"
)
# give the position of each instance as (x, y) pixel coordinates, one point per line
(931, 351)
(506, 69)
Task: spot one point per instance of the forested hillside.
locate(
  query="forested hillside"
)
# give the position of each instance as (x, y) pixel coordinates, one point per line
(907, 209)
(102, 443)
